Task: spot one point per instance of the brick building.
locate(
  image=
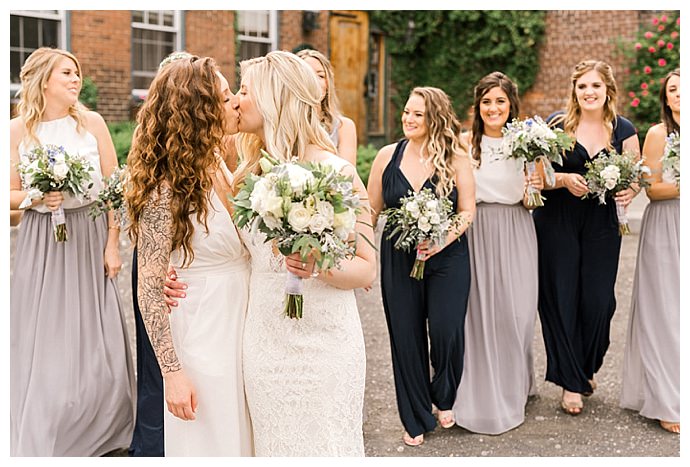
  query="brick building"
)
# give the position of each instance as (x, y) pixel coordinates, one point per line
(120, 50)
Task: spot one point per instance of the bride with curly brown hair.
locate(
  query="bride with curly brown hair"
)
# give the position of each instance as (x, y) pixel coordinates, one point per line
(180, 215)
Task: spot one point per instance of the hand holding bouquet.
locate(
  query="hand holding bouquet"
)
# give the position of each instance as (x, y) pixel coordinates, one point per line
(533, 140)
(305, 207)
(421, 217)
(49, 168)
(609, 174)
(670, 161)
(111, 197)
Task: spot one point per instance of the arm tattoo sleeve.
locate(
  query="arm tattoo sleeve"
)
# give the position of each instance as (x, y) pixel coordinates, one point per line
(154, 246)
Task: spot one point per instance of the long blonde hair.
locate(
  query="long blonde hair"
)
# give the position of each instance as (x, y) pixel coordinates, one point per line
(180, 127)
(573, 112)
(330, 106)
(443, 141)
(34, 77)
(288, 96)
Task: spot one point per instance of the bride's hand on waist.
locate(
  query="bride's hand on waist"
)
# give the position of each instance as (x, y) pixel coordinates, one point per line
(304, 269)
(173, 288)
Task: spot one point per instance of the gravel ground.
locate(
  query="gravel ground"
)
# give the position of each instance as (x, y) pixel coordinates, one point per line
(603, 429)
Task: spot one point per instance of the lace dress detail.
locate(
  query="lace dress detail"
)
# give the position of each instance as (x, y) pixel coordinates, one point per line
(304, 379)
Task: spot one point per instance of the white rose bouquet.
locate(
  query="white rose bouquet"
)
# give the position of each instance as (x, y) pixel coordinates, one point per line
(533, 140)
(49, 168)
(670, 161)
(421, 216)
(609, 174)
(305, 208)
(111, 197)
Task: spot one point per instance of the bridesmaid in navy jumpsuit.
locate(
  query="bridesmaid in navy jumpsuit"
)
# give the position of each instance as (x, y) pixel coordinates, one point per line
(578, 240)
(439, 300)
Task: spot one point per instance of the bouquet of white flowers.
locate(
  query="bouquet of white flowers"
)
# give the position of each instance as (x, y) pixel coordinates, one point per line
(670, 161)
(49, 168)
(305, 208)
(421, 216)
(111, 197)
(609, 174)
(533, 140)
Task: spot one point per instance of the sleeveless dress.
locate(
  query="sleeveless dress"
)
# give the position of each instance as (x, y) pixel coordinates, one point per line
(72, 383)
(439, 300)
(499, 366)
(207, 335)
(304, 378)
(651, 365)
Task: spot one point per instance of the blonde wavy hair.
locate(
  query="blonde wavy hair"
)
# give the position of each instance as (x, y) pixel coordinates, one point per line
(179, 130)
(330, 106)
(442, 141)
(573, 112)
(287, 94)
(34, 77)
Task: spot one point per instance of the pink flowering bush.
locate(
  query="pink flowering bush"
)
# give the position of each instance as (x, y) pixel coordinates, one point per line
(653, 53)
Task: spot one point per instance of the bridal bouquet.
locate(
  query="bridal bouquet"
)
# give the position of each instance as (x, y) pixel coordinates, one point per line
(49, 168)
(609, 174)
(421, 216)
(670, 161)
(305, 208)
(111, 197)
(532, 140)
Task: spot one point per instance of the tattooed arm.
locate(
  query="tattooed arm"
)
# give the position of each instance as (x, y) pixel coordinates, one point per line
(154, 245)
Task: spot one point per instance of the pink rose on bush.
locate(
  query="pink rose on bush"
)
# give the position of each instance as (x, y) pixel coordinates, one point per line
(662, 62)
(651, 49)
(644, 93)
(661, 27)
(635, 102)
(648, 69)
(648, 35)
(638, 46)
(655, 21)
(660, 42)
(669, 45)
(674, 34)
(664, 18)
(644, 85)
(631, 94)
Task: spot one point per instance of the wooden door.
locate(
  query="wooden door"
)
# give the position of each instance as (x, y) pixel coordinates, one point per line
(349, 55)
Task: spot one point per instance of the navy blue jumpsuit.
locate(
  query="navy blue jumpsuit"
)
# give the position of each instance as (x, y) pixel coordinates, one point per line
(579, 247)
(439, 300)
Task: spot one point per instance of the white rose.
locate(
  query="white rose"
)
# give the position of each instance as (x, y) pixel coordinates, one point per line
(60, 171)
(326, 210)
(344, 223)
(299, 177)
(299, 217)
(412, 208)
(29, 177)
(610, 183)
(434, 218)
(318, 223)
(274, 206)
(59, 158)
(423, 224)
(432, 205)
(259, 194)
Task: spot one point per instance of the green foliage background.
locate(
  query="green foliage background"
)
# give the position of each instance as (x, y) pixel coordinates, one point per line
(453, 49)
(644, 109)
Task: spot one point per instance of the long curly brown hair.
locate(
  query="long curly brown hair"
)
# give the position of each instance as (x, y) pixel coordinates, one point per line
(180, 129)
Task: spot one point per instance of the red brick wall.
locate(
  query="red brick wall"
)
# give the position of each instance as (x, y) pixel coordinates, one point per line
(573, 36)
(101, 41)
(292, 35)
(212, 33)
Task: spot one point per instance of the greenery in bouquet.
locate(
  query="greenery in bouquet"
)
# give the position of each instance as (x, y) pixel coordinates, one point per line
(670, 161)
(111, 197)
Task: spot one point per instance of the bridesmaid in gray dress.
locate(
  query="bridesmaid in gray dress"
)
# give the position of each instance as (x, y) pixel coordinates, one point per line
(71, 372)
(651, 366)
(498, 374)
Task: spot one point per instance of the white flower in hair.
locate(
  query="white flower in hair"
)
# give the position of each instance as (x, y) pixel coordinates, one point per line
(174, 57)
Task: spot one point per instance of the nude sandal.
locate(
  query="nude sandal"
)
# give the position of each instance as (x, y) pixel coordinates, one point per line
(410, 441)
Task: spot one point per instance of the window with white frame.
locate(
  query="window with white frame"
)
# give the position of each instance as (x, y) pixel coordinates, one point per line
(257, 31)
(155, 34)
(29, 30)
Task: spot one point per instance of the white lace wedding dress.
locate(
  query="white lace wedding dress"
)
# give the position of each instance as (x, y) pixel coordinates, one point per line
(304, 379)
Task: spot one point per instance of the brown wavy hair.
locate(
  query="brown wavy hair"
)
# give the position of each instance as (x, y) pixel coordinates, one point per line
(34, 76)
(573, 113)
(443, 141)
(486, 84)
(180, 129)
(666, 113)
